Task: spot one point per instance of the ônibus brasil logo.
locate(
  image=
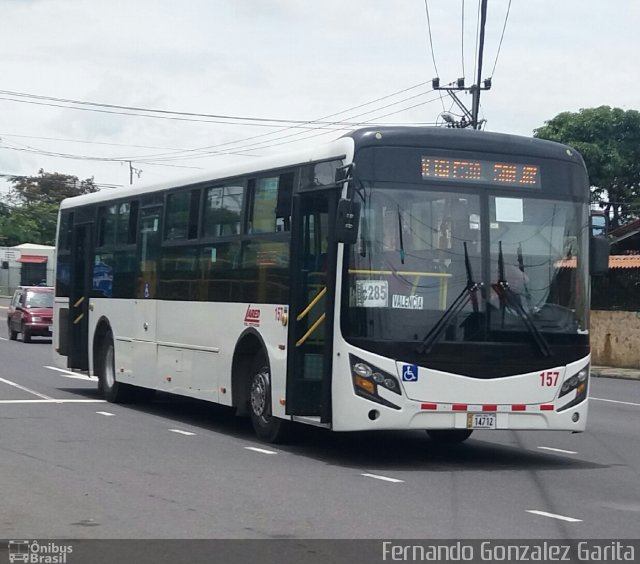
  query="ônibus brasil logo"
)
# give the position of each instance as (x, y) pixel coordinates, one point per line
(252, 317)
(34, 552)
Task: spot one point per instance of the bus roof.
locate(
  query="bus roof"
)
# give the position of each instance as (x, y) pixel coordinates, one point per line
(464, 140)
(407, 136)
(342, 146)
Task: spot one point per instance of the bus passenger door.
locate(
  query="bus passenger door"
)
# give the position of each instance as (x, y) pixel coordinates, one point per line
(79, 295)
(313, 271)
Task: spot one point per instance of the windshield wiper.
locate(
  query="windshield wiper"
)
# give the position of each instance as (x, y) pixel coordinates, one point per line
(400, 236)
(469, 294)
(509, 298)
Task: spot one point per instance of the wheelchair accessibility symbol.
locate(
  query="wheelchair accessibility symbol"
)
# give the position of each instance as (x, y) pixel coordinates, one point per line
(409, 373)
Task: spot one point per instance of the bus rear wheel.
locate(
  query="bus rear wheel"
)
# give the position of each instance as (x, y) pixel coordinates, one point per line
(267, 427)
(449, 435)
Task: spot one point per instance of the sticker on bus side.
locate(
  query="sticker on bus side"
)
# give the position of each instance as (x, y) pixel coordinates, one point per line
(409, 373)
(399, 301)
(252, 317)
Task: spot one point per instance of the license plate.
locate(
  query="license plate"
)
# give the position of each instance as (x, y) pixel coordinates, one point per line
(481, 421)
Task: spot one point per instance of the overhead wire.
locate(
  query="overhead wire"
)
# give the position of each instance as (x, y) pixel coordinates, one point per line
(335, 123)
(206, 152)
(504, 27)
(180, 154)
(433, 55)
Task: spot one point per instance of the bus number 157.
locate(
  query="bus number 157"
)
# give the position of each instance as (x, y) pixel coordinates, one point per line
(549, 378)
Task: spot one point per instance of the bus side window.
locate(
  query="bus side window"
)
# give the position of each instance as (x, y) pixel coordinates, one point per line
(270, 210)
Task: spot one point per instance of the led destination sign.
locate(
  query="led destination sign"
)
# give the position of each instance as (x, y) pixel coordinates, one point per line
(495, 173)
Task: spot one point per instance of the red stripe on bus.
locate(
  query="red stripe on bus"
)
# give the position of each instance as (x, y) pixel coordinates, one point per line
(429, 406)
(546, 407)
(518, 407)
(459, 407)
(490, 407)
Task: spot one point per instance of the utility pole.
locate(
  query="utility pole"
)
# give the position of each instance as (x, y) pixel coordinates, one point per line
(132, 169)
(476, 87)
(469, 118)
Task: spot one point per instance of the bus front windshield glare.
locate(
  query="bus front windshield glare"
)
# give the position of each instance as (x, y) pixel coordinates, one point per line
(418, 251)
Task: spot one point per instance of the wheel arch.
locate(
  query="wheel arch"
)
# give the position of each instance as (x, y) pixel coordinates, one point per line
(249, 345)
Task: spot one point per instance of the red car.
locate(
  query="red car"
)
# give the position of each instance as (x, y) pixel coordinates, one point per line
(30, 312)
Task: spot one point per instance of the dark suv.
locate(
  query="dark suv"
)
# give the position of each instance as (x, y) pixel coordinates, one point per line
(30, 312)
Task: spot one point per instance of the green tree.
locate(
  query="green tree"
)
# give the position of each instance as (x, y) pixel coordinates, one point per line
(609, 141)
(49, 187)
(31, 213)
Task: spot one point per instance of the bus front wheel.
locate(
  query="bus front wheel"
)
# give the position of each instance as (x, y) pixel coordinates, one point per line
(449, 435)
(267, 427)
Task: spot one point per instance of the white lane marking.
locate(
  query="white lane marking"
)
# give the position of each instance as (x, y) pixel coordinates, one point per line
(616, 401)
(558, 450)
(554, 516)
(3, 339)
(24, 389)
(262, 450)
(188, 433)
(384, 478)
(53, 401)
(67, 374)
(106, 413)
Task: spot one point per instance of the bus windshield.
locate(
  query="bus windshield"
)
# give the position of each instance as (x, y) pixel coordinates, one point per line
(410, 265)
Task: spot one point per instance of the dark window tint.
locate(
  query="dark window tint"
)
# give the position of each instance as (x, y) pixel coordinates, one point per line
(182, 216)
(127, 223)
(265, 269)
(223, 209)
(177, 219)
(106, 226)
(179, 276)
(219, 266)
(64, 233)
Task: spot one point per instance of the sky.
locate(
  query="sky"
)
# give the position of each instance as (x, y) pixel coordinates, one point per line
(320, 68)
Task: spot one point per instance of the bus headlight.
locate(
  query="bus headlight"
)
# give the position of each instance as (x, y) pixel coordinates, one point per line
(362, 369)
(367, 378)
(578, 382)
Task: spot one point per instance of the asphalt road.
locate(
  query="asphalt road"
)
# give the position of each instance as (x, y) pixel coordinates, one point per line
(81, 468)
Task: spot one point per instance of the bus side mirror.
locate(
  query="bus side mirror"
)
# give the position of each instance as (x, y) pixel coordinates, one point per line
(347, 221)
(598, 256)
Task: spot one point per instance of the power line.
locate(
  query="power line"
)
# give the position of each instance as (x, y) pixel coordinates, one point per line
(433, 56)
(86, 142)
(149, 112)
(504, 27)
(268, 143)
(180, 154)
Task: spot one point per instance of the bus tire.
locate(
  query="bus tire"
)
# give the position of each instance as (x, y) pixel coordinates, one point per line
(449, 435)
(111, 390)
(267, 427)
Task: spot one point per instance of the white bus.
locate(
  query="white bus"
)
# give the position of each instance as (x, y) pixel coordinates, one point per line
(396, 278)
